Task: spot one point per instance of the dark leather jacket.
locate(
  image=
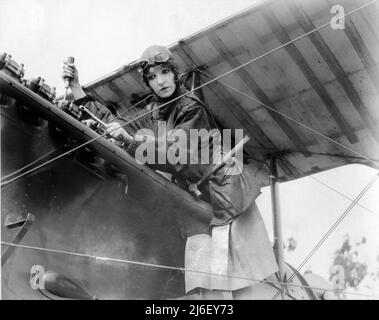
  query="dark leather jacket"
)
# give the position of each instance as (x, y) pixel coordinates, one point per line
(184, 114)
(229, 194)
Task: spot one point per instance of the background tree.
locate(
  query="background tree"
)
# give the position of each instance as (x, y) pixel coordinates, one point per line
(349, 259)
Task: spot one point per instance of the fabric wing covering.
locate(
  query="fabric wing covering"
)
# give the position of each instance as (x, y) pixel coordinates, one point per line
(312, 102)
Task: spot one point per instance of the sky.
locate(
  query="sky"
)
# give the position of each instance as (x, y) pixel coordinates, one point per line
(104, 35)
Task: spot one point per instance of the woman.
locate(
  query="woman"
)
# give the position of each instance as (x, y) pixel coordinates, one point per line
(223, 256)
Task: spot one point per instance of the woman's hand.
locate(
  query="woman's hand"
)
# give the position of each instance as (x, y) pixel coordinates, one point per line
(71, 72)
(115, 130)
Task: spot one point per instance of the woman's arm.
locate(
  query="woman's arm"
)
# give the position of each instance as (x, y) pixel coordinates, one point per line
(190, 116)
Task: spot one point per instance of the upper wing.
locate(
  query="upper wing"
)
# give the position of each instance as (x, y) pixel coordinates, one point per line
(312, 103)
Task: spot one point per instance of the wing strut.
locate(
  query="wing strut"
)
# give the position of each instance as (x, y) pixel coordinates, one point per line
(277, 220)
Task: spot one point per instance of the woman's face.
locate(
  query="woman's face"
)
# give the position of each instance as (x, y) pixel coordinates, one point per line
(162, 80)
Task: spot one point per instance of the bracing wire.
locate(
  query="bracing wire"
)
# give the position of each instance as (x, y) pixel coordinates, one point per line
(339, 220)
(330, 187)
(211, 81)
(244, 94)
(295, 121)
(160, 266)
(131, 108)
(207, 83)
(334, 226)
(28, 165)
(48, 153)
(353, 202)
(4, 183)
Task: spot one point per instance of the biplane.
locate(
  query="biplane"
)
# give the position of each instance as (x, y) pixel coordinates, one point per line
(82, 220)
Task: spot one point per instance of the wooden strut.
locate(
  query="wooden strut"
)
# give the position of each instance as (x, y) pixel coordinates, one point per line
(194, 187)
(195, 76)
(277, 221)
